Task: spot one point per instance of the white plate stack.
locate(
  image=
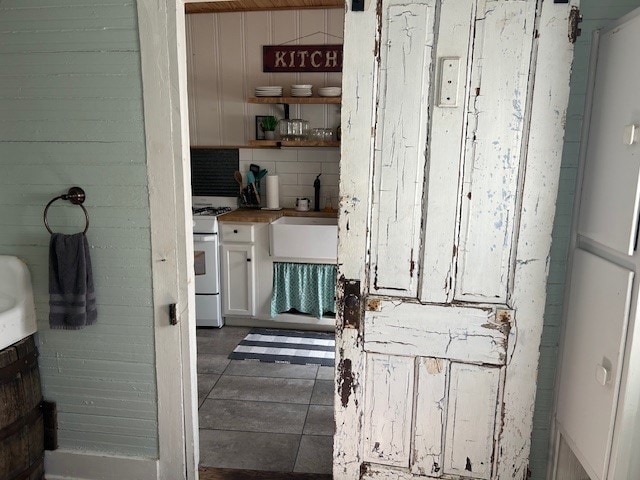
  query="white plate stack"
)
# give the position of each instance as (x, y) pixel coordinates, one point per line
(330, 91)
(301, 90)
(269, 91)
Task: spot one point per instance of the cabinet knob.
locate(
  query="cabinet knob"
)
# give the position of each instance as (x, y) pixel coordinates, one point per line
(603, 375)
(248, 259)
(235, 231)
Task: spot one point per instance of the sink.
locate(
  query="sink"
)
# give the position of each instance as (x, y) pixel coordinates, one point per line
(305, 238)
(17, 312)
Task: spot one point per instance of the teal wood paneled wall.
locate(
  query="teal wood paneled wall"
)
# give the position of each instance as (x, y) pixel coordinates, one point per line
(597, 14)
(71, 114)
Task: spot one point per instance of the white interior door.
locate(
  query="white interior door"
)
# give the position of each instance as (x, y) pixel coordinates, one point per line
(434, 123)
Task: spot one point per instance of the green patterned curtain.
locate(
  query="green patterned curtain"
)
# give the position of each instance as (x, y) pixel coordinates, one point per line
(307, 287)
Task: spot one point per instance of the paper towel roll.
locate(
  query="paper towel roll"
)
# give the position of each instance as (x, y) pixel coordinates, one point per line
(273, 195)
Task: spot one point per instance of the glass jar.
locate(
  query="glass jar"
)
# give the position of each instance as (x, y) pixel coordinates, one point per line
(293, 129)
(321, 134)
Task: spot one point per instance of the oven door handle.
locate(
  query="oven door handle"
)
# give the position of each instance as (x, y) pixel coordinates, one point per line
(205, 238)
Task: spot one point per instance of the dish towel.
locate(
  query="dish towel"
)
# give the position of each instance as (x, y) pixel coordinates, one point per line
(309, 288)
(72, 297)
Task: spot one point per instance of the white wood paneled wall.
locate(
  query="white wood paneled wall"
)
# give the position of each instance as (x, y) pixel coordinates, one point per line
(224, 59)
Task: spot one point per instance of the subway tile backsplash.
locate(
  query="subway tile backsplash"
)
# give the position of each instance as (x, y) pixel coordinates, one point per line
(296, 170)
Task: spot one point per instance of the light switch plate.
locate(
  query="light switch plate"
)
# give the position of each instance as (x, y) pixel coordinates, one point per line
(449, 82)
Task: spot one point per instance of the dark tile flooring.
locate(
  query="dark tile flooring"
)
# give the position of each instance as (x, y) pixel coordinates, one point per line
(261, 416)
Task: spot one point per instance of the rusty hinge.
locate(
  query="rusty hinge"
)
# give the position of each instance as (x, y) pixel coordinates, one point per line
(574, 21)
(352, 303)
(173, 314)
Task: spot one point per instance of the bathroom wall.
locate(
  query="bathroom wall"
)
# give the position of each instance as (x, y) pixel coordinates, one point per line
(597, 13)
(71, 114)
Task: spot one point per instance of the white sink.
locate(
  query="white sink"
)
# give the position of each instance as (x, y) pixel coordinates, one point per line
(17, 312)
(305, 238)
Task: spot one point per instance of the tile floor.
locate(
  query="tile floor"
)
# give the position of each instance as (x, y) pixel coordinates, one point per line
(261, 416)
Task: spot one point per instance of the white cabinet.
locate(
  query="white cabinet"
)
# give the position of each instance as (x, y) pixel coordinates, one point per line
(245, 276)
(238, 279)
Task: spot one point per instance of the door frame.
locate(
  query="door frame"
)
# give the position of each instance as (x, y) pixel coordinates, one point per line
(163, 53)
(541, 154)
(163, 64)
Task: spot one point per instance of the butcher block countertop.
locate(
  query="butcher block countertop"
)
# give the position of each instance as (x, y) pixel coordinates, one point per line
(268, 216)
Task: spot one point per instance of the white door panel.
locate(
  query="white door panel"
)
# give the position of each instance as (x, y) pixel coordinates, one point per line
(598, 314)
(407, 42)
(609, 204)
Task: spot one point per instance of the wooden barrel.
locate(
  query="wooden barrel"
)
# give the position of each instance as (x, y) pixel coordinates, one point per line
(21, 427)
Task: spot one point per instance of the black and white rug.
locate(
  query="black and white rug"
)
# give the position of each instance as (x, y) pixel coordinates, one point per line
(286, 346)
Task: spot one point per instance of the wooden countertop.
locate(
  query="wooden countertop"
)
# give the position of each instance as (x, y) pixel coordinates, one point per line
(268, 216)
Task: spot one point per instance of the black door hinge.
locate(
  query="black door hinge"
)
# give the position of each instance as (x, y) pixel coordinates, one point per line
(574, 21)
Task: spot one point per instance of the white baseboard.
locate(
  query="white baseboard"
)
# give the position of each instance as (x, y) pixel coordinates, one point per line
(73, 465)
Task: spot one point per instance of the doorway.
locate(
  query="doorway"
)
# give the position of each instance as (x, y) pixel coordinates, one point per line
(275, 417)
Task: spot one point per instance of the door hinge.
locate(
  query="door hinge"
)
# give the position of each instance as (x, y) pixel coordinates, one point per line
(574, 21)
(173, 314)
(352, 309)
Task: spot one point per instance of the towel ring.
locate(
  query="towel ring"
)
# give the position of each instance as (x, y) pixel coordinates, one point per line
(76, 196)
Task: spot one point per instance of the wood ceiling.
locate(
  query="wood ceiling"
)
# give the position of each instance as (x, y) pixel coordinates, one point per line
(257, 5)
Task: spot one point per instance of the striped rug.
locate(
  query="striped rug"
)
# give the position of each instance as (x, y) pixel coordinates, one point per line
(286, 346)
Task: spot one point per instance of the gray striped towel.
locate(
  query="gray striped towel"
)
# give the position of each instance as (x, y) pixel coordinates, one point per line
(72, 297)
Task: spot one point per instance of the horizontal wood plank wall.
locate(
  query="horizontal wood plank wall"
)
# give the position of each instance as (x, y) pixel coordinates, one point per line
(71, 114)
(224, 52)
(597, 13)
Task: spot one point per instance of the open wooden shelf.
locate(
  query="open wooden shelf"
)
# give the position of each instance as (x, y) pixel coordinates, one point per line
(297, 100)
(260, 5)
(293, 143)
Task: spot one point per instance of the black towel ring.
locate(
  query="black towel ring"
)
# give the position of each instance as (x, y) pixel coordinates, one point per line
(76, 196)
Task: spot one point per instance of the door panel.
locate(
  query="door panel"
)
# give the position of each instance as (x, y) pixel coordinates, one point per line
(471, 420)
(404, 82)
(431, 396)
(456, 333)
(445, 156)
(610, 192)
(499, 79)
(596, 326)
(389, 403)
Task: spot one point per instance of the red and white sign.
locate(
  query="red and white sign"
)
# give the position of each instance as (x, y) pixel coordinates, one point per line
(302, 58)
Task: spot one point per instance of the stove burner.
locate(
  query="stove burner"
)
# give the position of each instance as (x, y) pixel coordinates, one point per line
(211, 210)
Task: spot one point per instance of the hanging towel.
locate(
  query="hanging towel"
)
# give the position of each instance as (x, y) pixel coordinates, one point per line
(72, 297)
(309, 288)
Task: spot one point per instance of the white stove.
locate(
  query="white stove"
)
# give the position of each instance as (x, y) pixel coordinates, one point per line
(207, 258)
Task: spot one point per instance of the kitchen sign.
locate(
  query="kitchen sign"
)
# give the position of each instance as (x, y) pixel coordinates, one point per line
(302, 58)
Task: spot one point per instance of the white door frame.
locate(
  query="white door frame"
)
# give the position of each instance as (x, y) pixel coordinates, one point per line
(163, 58)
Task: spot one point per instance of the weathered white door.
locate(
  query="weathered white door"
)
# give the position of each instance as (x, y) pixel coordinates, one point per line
(439, 238)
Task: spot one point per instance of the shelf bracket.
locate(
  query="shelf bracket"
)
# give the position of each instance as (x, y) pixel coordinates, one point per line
(286, 110)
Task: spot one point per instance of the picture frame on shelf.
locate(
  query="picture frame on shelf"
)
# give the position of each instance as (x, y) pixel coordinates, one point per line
(259, 131)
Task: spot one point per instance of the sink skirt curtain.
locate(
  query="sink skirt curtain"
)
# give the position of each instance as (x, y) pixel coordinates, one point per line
(307, 287)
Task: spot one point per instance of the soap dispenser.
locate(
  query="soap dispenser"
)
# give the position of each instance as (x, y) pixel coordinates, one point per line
(316, 196)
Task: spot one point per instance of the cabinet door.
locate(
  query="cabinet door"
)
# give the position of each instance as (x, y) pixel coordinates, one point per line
(238, 280)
